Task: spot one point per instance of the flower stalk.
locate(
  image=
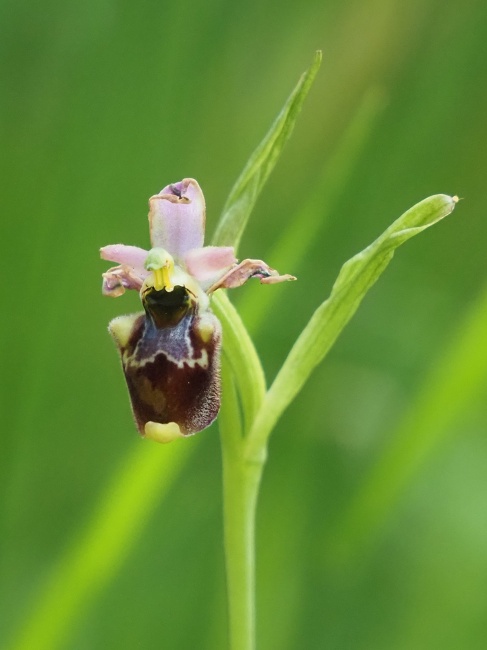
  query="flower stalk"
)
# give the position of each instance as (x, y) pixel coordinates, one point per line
(241, 481)
(242, 372)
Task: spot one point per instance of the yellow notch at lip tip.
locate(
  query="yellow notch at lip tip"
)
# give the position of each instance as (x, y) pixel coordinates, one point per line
(162, 432)
(162, 278)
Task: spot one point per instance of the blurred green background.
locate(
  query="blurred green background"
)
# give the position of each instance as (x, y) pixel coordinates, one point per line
(104, 103)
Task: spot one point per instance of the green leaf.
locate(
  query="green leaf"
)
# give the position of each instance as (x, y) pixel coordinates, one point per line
(356, 277)
(246, 190)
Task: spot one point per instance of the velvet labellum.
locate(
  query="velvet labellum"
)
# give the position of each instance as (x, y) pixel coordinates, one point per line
(170, 352)
(170, 357)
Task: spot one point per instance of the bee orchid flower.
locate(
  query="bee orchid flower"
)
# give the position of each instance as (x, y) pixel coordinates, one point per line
(170, 352)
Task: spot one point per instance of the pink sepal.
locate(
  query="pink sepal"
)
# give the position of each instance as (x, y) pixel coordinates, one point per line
(209, 264)
(177, 218)
(128, 255)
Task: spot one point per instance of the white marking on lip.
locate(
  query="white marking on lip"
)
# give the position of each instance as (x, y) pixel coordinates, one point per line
(202, 361)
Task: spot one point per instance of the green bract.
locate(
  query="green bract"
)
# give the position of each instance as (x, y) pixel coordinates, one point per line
(356, 277)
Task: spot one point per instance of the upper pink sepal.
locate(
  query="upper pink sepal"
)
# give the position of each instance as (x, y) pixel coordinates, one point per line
(209, 264)
(130, 255)
(177, 218)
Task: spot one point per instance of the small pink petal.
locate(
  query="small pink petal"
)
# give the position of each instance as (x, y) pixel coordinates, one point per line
(210, 263)
(274, 279)
(177, 218)
(119, 278)
(247, 269)
(129, 255)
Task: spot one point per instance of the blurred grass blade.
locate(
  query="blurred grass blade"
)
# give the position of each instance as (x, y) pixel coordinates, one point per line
(100, 550)
(246, 190)
(356, 277)
(303, 229)
(453, 386)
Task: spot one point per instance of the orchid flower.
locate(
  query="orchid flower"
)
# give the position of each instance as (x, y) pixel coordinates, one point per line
(170, 352)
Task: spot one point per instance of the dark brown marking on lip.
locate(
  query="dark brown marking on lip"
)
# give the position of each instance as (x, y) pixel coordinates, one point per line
(171, 374)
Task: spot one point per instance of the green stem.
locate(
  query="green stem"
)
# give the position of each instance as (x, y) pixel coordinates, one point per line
(241, 481)
(240, 490)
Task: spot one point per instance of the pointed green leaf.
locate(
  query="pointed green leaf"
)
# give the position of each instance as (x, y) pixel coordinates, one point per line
(356, 277)
(246, 190)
